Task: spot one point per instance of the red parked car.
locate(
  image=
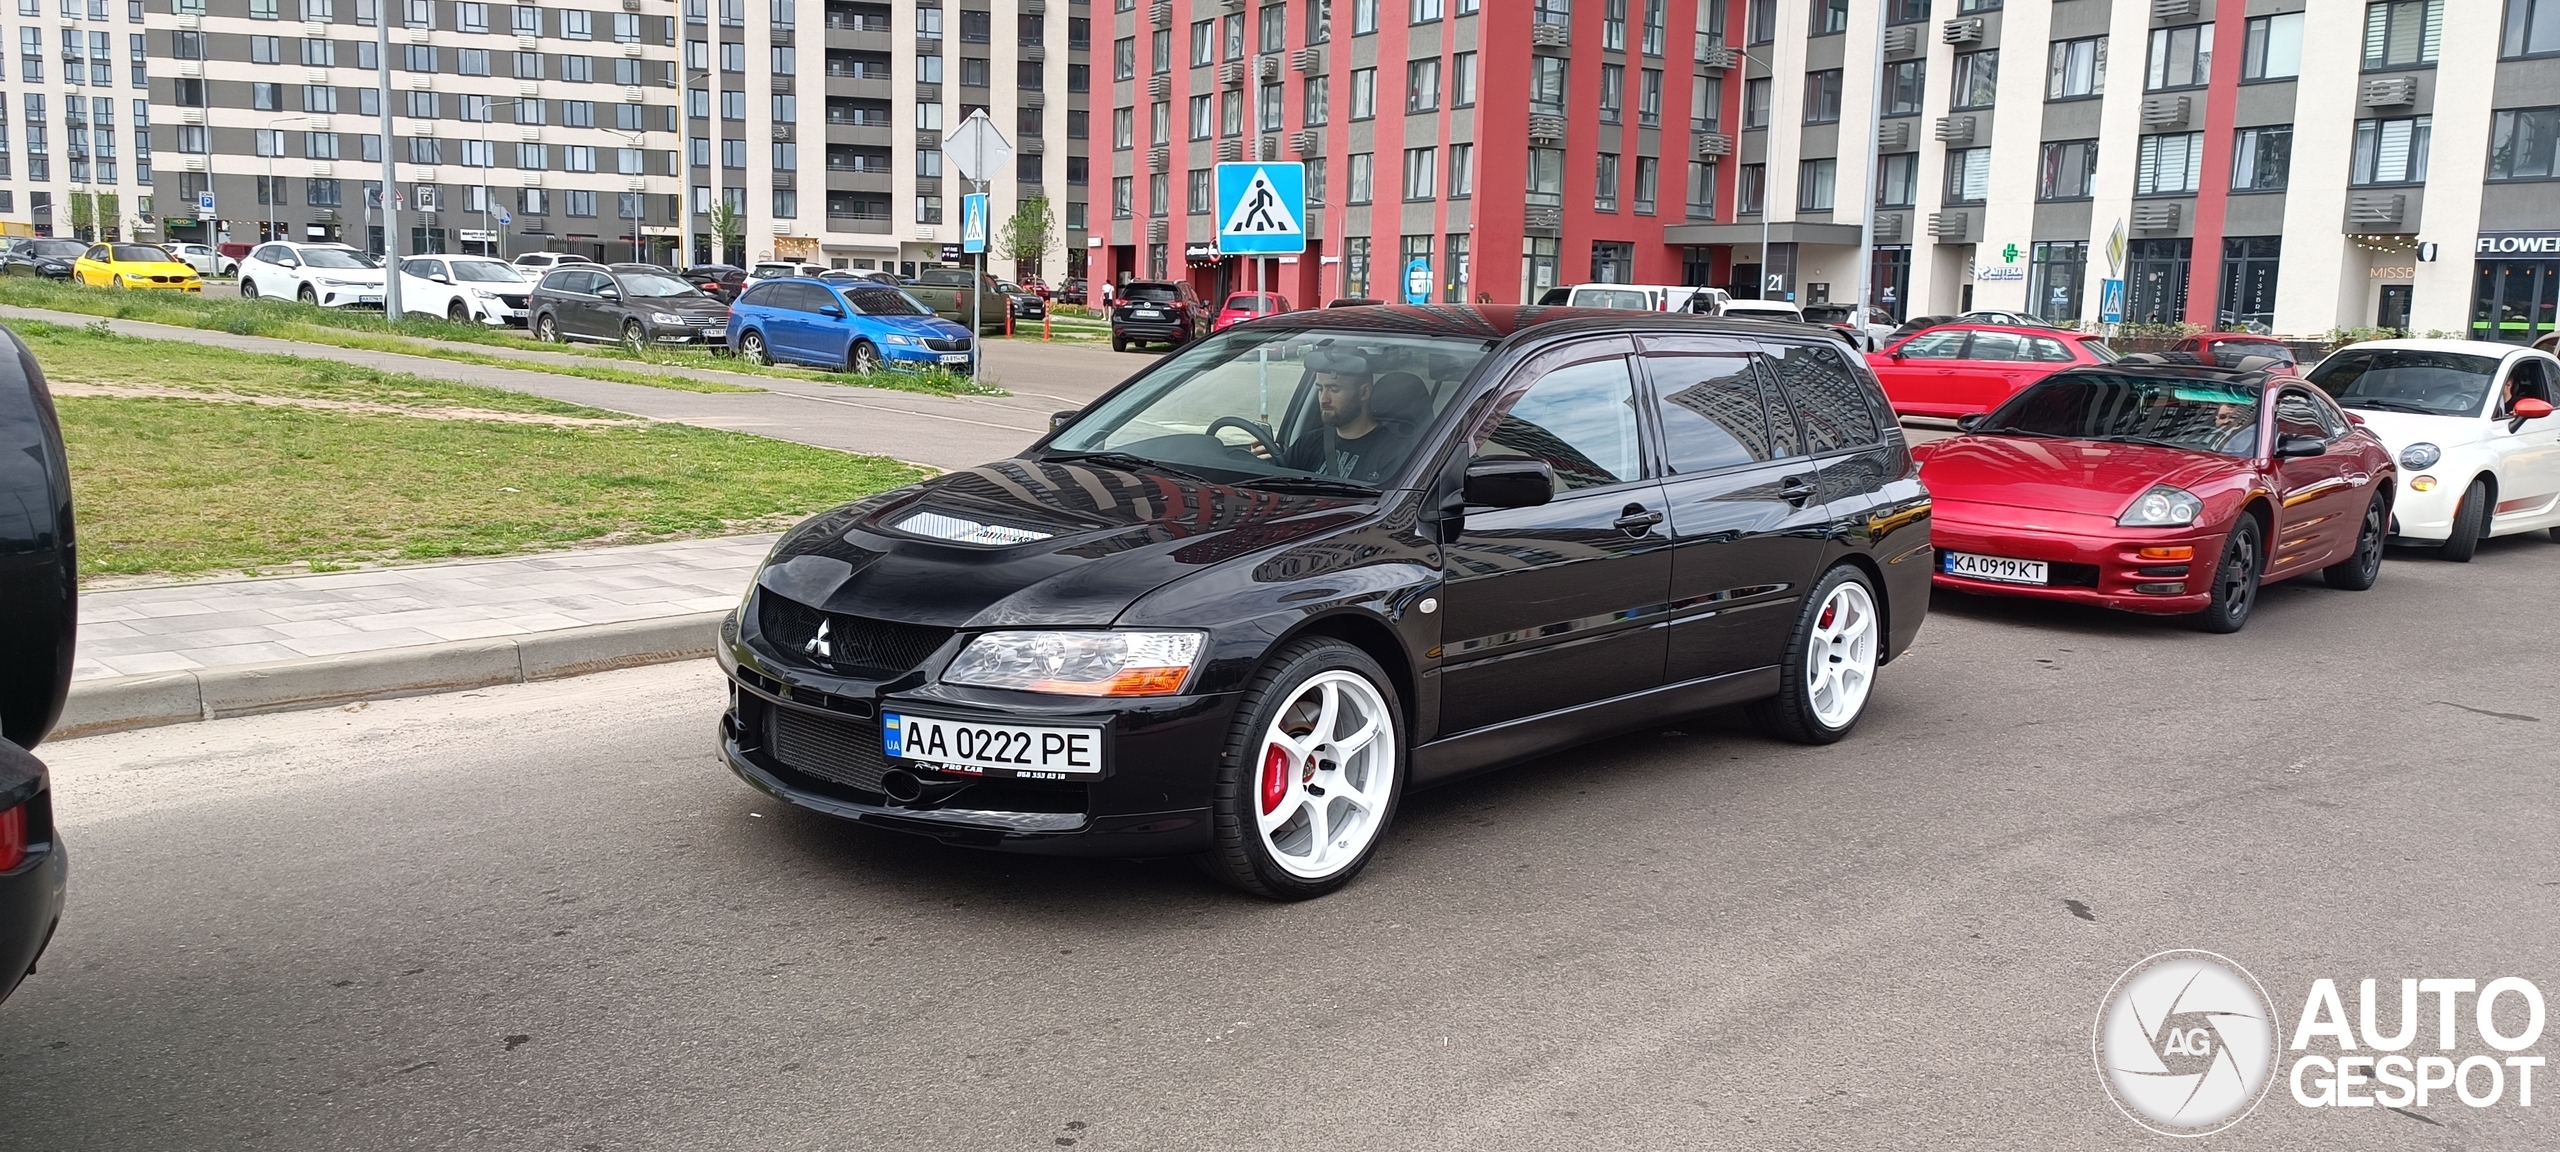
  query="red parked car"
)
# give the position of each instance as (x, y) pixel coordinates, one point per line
(1243, 306)
(2159, 488)
(1961, 369)
(2228, 349)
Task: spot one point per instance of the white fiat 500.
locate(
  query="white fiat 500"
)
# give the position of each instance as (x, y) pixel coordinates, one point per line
(2471, 424)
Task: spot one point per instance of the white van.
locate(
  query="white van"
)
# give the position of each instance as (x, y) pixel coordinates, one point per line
(1639, 298)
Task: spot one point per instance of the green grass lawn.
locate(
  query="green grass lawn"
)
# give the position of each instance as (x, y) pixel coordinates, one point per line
(341, 465)
(433, 336)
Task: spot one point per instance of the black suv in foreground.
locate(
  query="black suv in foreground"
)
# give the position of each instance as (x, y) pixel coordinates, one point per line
(38, 615)
(1236, 606)
(1157, 312)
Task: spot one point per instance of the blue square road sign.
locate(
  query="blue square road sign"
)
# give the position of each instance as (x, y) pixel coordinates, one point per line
(1262, 209)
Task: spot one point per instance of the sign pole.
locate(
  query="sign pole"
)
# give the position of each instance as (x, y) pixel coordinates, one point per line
(978, 298)
(390, 166)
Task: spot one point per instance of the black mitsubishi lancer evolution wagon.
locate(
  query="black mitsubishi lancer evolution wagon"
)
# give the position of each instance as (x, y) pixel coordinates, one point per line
(1240, 604)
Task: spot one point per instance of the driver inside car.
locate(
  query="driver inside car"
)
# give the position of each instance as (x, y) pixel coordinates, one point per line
(1369, 422)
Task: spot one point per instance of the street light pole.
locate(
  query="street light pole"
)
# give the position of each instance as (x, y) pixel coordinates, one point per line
(390, 168)
(271, 196)
(1759, 291)
(1875, 148)
(684, 163)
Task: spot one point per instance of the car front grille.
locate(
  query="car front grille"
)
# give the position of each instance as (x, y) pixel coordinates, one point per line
(831, 750)
(854, 645)
(513, 301)
(947, 343)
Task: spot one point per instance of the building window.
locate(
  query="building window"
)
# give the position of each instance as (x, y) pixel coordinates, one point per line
(1822, 97)
(2180, 58)
(1649, 98)
(1362, 178)
(2391, 151)
(1977, 81)
(2521, 144)
(1462, 77)
(1421, 173)
(1648, 179)
(2069, 166)
(2079, 68)
(1760, 21)
(1204, 118)
(1230, 113)
(1613, 93)
(1613, 26)
(1200, 191)
(1830, 16)
(1702, 191)
(1907, 11)
(1752, 191)
(1968, 175)
(1422, 85)
(2249, 265)
(1897, 180)
(2260, 157)
(1755, 103)
(1123, 189)
(1546, 177)
(1604, 182)
(2054, 285)
(1547, 85)
(1905, 86)
(2402, 33)
(1462, 171)
(1539, 257)
(2274, 48)
(1613, 262)
(2533, 28)
(2169, 164)
(2156, 281)
(1814, 180)
(1355, 266)
(1364, 17)
(1316, 168)
(1453, 276)
(1364, 93)
(1317, 98)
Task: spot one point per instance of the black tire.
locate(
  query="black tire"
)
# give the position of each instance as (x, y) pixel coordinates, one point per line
(751, 348)
(2236, 576)
(546, 328)
(1239, 856)
(2470, 523)
(309, 295)
(2363, 566)
(456, 313)
(248, 288)
(1790, 715)
(862, 359)
(633, 337)
(1119, 343)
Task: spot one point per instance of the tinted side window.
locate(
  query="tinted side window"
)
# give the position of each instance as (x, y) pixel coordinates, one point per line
(1997, 346)
(1712, 414)
(761, 296)
(1581, 420)
(2532, 382)
(1936, 346)
(2299, 415)
(2052, 351)
(1829, 399)
(563, 282)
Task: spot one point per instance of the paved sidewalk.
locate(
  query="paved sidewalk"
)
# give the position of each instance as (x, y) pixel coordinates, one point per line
(221, 624)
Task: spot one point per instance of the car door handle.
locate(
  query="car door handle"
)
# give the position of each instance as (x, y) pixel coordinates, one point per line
(1637, 520)
(1797, 489)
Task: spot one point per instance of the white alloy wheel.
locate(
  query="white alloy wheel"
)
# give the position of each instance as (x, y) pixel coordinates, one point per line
(1328, 770)
(1840, 656)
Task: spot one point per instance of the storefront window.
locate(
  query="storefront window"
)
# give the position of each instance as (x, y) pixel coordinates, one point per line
(2249, 281)
(2155, 281)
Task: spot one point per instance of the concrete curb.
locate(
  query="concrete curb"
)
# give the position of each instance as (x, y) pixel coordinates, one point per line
(119, 703)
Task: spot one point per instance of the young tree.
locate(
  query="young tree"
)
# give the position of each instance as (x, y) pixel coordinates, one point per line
(726, 227)
(1029, 236)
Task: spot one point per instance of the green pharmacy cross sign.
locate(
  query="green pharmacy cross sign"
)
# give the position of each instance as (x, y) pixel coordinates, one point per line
(2009, 254)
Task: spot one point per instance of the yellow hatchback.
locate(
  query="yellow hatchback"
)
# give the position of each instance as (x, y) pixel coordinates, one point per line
(134, 266)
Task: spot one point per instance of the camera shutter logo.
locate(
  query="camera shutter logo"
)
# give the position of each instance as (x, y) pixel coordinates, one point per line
(2186, 1043)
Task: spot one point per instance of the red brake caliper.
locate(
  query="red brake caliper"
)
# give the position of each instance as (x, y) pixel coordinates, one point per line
(1829, 611)
(1275, 778)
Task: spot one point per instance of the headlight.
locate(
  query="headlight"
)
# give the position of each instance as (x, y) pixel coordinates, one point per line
(1079, 663)
(897, 339)
(664, 318)
(2420, 455)
(2162, 507)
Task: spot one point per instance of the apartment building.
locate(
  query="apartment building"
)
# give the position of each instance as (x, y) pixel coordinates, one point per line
(1489, 149)
(2298, 164)
(75, 135)
(827, 141)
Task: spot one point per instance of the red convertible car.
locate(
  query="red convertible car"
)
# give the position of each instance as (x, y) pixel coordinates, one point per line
(1961, 369)
(2160, 488)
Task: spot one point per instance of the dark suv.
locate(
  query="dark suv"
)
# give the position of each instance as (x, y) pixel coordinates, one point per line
(1237, 605)
(1157, 312)
(634, 304)
(39, 591)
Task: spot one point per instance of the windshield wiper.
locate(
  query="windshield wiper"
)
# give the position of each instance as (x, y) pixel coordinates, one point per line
(1310, 485)
(1127, 462)
(2388, 405)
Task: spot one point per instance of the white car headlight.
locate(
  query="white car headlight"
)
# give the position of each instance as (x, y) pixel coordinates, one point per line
(2420, 455)
(1079, 663)
(894, 338)
(664, 318)
(2162, 507)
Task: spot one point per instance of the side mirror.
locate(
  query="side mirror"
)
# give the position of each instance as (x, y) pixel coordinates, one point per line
(1508, 482)
(441, 278)
(609, 293)
(2531, 408)
(1973, 422)
(1058, 420)
(2296, 447)
(831, 312)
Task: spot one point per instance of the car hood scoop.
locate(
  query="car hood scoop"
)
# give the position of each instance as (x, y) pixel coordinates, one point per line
(1032, 543)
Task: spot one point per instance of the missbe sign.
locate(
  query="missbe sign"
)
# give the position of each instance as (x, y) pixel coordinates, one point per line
(2518, 244)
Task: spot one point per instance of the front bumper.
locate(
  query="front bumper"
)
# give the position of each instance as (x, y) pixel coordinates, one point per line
(2426, 518)
(914, 359)
(357, 297)
(714, 333)
(2089, 559)
(1153, 798)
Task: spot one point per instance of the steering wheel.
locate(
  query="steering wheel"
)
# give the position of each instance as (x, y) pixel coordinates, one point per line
(1260, 434)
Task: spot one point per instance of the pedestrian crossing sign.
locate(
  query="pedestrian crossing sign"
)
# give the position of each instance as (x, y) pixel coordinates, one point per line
(973, 222)
(1262, 209)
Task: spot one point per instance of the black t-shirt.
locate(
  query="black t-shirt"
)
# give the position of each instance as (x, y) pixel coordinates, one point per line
(1364, 460)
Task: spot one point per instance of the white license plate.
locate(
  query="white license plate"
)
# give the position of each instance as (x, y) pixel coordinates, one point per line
(369, 298)
(2000, 569)
(1010, 749)
(1146, 314)
(955, 357)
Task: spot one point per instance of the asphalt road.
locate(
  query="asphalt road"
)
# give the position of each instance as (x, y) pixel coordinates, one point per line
(543, 917)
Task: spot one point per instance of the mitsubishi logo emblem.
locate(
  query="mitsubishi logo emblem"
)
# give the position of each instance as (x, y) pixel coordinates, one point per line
(819, 645)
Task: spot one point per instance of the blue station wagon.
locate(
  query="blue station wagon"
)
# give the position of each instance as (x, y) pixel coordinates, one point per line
(852, 325)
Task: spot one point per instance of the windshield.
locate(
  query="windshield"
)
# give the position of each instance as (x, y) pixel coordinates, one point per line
(478, 272)
(1248, 302)
(2408, 380)
(2229, 353)
(333, 258)
(57, 248)
(141, 254)
(1343, 405)
(1836, 314)
(651, 284)
(882, 300)
(2200, 415)
(1620, 298)
(1160, 293)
